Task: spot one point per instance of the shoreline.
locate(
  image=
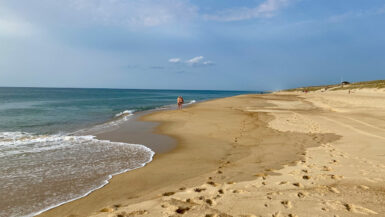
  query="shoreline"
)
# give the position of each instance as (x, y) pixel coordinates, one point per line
(106, 182)
(157, 143)
(109, 132)
(104, 134)
(160, 158)
(295, 154)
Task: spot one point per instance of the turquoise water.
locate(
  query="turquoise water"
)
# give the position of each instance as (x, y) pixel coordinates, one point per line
(44, 164)
(55, 110)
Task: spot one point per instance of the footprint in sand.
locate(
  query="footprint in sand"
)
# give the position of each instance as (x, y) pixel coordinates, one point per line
(343, 156)
(107, 210)
(182, 210)
(334, 190)
(359, 209)
(335, 177)
(199, 189)
(209, 202)
(297, 184)
(287, 204)
(364, 187)
(302, 194)
(131, 214)
(326, 168)
(166, 194)
(236, 191)
(189, 200)
(117, 206)
(212, 183)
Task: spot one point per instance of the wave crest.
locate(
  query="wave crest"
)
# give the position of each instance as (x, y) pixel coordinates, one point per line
(125, 113)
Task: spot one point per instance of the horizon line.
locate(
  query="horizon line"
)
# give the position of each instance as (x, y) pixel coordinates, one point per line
(111, 88)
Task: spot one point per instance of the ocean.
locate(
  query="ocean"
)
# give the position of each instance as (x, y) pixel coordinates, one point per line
(45, 161)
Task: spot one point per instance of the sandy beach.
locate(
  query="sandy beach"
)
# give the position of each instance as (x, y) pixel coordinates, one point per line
(280, 154)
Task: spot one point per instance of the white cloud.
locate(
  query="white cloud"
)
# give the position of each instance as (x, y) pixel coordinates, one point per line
(195, 60)
(208, 62)
(174, 60)
(266, 9)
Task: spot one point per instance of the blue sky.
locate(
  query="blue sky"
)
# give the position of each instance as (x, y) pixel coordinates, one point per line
(186, 44)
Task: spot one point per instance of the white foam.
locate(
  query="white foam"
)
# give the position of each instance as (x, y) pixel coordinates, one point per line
(125, 113)
(12, 143)
(20, 145)
(96, 188)
(191, 102)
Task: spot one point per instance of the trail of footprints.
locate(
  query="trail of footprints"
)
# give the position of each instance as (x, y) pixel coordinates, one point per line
(272, 193)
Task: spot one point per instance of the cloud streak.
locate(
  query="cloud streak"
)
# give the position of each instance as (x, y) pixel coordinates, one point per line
(266, 9)
(355, 14)
(137, 13)
(174, 60)
(131, 14)
(195, 61)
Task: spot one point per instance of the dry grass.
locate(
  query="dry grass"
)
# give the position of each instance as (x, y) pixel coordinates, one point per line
(358, 85)
(312, 88)
(364, 84)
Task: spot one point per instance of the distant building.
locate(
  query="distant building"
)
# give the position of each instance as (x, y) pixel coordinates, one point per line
(345, 82)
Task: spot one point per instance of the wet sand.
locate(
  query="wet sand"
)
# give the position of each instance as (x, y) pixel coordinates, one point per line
(249, 155)
(134, 131)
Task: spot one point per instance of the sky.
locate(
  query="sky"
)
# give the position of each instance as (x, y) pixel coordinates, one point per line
(190, 44)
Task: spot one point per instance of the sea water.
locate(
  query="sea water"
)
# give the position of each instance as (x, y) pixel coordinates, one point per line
(44, 163)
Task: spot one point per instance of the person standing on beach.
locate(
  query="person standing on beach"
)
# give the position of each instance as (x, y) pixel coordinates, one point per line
(180, 102)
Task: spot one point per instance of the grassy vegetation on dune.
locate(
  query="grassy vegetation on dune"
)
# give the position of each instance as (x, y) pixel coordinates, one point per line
(312, 88)
(358, 85)
(364, 84)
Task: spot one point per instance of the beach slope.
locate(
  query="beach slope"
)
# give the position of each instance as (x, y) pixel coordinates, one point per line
(257, 155)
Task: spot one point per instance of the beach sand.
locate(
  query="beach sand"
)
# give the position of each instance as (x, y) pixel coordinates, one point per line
(281, 154)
